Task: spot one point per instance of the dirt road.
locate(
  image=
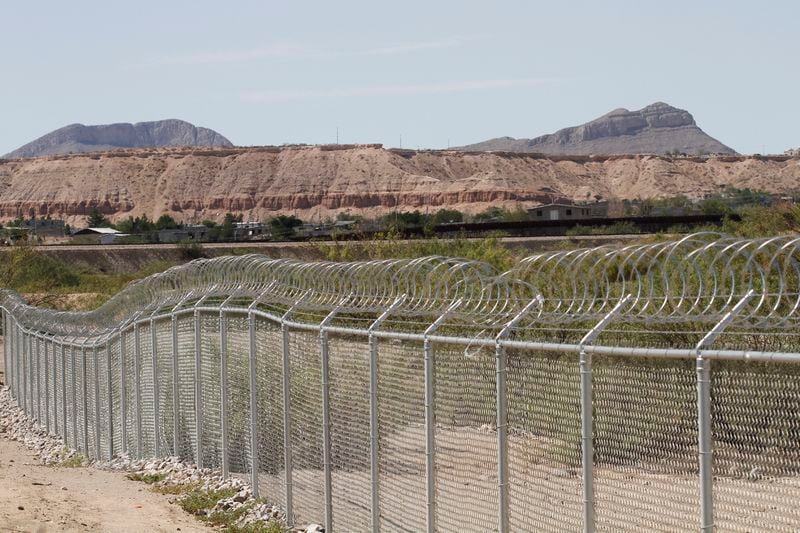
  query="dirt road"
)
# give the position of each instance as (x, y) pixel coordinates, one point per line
(39, 498)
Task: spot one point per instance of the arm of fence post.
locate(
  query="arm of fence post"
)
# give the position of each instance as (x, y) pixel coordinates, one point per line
(326, 413)
(287, 413)
(501, 371)
(705, 442)
(430, 416)
(373, 413)
(587, 418)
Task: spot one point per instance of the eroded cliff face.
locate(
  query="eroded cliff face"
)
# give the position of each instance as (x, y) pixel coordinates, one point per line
(316, 182)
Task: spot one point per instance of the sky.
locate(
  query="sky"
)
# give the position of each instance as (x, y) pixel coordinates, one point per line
(416, 74)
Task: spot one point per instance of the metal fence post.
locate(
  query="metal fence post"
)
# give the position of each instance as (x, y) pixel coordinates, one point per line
(430, 418)
(501, 373)
(96, 359)
(46, 387)
(38, 371)
(705, 442)
(156, 388)
(223, 385)
(123, 393)
(198, 389)
(55, 387)
(110, 393)
(176, 409)
(587, 415)
(374, 423)
(253, 402)
(287, 408)
(137, 387)
(326, 415)
(64, 390)
(85, 399)
(74, 399)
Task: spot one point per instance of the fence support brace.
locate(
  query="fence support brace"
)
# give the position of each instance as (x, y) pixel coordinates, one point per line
(373, 414)
(705, 449)
(587, 414)
(430, 418)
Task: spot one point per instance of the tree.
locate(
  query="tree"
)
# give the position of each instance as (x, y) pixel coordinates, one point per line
(283, 226)
(97, 219)
(166, 222)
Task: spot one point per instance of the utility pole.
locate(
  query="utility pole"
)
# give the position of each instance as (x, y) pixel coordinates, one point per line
(401, 140)
(337, 134)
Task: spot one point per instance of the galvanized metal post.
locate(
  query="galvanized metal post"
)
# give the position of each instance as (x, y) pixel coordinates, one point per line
(96, 359)
(110, 395)
(223, 377)
(64, 390)
(253, 403)
(501, 372)
(55, 387)
(176, 412)
(123, 392)
(374, 423)
(156, 399)
(6, 352)
(74, 399)
(198, 389)
(587, 415)
(46, 387)
(705, 441)
(430, 418)
(137, 387)
(37, 371)
(85, 400)
(326, 415)
(287, 409)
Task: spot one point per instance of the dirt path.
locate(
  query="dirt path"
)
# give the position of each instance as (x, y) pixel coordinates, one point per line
(39, 498)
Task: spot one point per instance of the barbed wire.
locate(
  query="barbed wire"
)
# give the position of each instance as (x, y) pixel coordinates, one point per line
(696, 278)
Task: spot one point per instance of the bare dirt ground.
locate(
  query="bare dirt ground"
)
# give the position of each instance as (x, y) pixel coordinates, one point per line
(39, 498)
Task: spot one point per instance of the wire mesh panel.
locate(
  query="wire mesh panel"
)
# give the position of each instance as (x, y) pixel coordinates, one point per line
(401, 419)
(50, 367)
(756, 430)
(101, 406)
(646, 473)
(166, 396)
(90, 411)
(116, 397)
(58, 390)
(187, 435)
(129, 369)
(238, 395)
(210, 376)
(308, 479)
(348, 369)
(544, 438)
(72, 398)
(466, 440)
(146, 391)
(269, 356)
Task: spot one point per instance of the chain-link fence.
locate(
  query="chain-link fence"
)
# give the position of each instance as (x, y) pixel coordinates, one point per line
(652, 387)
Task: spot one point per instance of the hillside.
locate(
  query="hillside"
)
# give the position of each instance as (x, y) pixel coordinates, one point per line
(77, 138)
(315, 182)
(656, 129)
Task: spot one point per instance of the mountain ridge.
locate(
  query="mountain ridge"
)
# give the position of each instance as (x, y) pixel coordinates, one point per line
(80, 138)
(655, 129)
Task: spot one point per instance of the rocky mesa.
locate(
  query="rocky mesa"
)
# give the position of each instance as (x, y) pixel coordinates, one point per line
(656, 129)
(77, 138)
(320, 181)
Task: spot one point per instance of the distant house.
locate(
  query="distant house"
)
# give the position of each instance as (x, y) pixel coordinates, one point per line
(569, 211)
(45, 227)
(101, 235)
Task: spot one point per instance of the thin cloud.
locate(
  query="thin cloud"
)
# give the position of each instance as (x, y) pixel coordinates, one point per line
(233, 56)
(390, 90)
(412, 47)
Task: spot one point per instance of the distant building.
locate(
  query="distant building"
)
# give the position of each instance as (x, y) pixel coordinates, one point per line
(250, 230)
(101, 235)
(45, 227)
(569, 211)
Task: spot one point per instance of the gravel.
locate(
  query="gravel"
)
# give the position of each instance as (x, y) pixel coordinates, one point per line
(52, 450)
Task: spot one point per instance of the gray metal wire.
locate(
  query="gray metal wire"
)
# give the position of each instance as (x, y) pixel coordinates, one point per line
(439, 394)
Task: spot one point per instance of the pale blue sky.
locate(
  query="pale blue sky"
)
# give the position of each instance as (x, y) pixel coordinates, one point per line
(434, 72)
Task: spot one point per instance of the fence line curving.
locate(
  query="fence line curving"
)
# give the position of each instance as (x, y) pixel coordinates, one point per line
(574, 391)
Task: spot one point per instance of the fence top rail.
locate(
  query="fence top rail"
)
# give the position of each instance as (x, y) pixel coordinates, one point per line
(696, 279)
